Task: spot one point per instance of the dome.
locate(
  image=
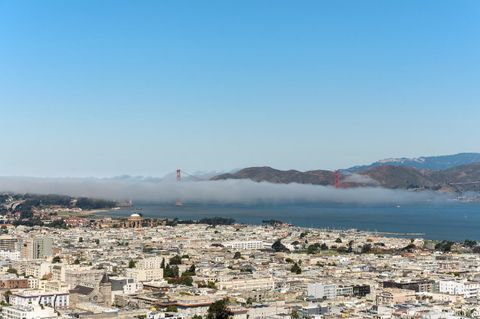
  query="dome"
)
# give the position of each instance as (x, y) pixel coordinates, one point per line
(135, 215)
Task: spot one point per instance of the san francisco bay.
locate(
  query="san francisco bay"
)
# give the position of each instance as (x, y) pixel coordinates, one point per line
(446, 220)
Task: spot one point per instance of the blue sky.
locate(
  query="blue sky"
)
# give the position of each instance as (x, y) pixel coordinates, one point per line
(103, 88)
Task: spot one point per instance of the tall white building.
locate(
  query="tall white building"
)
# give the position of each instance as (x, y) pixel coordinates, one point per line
(148, 269)
(322, 291)
(37, 248)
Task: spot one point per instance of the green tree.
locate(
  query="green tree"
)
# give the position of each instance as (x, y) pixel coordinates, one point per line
(186, 280)
(313, 248)
(6, 295)
(237, 255)
(56, 260)
(80, 240)
(170, 271)
(131, 263)
(279, 247)
(469, 243)
(171, 308)
(192, 270)
(12, 271)
(366, 248)
(296, 269)
(444, 245)
(211, 285)
(219, 310)
(175, 260)
(410, 247)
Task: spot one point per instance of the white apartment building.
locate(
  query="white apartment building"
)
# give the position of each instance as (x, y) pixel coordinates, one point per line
(8, 243)
(28, 312)
(9, 255)
(37, 297)
(149, 263)
(148, 269)
(47, 285)
(265, 283)
(74, 275)
(38, 270)
(322, 291)
(126, 286)
(37, 248)
(344, 291)
(467, 289)
(163, 315)
(33, 283)
(244, 245)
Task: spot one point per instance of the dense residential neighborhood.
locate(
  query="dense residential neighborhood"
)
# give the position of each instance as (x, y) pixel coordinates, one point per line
(134, 267)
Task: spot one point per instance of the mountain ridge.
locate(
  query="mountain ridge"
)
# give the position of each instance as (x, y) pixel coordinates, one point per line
(440, 162)
(460, 178)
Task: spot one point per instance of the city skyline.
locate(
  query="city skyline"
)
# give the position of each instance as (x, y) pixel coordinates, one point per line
(112, 88)
(179, 159)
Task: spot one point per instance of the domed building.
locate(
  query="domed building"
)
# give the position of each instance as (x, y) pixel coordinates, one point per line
(134, 221)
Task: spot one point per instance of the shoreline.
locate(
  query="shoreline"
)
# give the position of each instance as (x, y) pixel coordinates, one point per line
(196, 221)
(431, 222)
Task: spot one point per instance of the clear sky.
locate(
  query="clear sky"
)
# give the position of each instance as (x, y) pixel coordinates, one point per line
(103, 88)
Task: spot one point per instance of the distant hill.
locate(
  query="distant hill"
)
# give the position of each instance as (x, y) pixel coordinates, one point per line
(386, 176)
(268, 174)
(399, 177)
(459, 178)
(424, 162)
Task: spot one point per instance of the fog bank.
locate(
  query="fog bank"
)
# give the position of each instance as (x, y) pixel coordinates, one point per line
(226, 191)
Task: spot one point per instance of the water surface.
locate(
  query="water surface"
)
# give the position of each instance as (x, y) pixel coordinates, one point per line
(453, 221)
